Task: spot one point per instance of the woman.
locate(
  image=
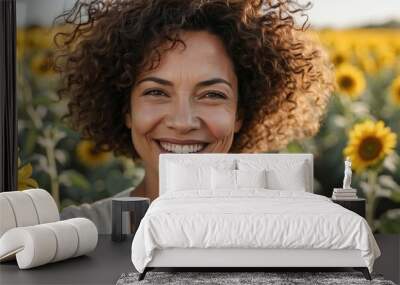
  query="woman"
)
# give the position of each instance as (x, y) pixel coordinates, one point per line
(147, 77)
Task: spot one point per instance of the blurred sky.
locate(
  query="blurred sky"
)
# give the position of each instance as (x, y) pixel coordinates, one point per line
(345, 13)
(325, 13)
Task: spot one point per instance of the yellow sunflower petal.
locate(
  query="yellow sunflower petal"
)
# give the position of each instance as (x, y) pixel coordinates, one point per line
(25, 171)
(350, 80)
(88, 156)
(395, 91)
(31, 183)
(369, 143)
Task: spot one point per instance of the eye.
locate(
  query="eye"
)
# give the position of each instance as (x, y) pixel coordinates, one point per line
(154, 92)
(215, 95)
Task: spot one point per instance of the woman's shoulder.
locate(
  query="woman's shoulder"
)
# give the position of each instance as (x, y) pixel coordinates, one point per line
(98, 211)
(125, 193)
(101, 202)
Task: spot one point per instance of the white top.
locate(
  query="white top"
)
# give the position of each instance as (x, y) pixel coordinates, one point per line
(99, 213)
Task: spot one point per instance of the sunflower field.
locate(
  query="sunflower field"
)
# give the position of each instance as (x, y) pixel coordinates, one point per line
(51, 155)
(362, 123)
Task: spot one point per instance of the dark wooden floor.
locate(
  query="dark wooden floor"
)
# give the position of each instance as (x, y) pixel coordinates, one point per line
(389, 262)
(106, 264)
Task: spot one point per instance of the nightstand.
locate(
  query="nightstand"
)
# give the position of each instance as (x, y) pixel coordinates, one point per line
(355, 205)
(138, 205)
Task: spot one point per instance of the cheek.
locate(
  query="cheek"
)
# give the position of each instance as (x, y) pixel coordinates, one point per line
(144, 118)
(220, 122)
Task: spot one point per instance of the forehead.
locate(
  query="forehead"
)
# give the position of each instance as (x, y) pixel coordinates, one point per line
(204, 57)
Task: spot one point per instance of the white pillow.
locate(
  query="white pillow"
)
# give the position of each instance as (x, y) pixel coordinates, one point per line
(281, 175)
(223, 179)
(229, 179)
(181, 177)
(293, 181)
(186, 173)
(193, 160)
(251, 178)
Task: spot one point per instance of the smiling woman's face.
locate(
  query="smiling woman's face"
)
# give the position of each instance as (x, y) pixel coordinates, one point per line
(187, 104)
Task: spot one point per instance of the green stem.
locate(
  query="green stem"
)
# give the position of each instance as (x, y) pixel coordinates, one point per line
(348, 114)
(38, 124)
(51, 158)
(371, 197)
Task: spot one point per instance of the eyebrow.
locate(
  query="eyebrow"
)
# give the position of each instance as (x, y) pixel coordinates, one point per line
(200, 84)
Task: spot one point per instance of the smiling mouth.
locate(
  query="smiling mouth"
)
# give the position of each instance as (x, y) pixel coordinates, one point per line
(167, 147)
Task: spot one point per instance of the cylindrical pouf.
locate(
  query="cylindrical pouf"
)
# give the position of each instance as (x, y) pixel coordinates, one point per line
(7, 218)
(40, 244)
(45, 205)
(67, 239)
(33, 245)
(87, 234)
(26, 208)
(23, 208)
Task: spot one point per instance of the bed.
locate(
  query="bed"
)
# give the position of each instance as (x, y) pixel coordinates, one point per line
(247, 210)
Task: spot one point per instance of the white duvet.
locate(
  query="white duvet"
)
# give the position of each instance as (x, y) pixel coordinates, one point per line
(253, 218)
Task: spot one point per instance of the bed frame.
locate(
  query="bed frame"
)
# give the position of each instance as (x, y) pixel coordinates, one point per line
(250, 258)
(242, 259)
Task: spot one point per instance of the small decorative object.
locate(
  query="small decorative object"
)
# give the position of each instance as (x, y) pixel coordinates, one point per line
(345, 193)
(347, 174)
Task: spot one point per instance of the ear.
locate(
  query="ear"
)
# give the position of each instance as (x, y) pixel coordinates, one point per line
(128, 122)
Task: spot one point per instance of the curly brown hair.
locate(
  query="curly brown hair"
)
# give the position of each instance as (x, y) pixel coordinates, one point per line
(284, 76)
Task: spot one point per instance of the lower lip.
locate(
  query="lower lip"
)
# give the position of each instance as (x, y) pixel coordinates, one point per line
(162, 150)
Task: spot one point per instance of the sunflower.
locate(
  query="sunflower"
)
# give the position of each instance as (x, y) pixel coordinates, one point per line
(39, 37)
(87, 154)
(395, 90)
(369, 143)
(368, 65)
(21, 43)
(24, 177)
(42, 63)
(339, 56)
(364, 60)
(385, 57)
(349, 80)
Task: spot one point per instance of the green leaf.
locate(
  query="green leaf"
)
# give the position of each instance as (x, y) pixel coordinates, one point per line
(41, 100)
(395, 196)
(72, 178)
(67, 202)
(116, 182)
(390, 162)
(30, 141)
(61, 156)
(390, 222)
(388, 181)
(294, 147)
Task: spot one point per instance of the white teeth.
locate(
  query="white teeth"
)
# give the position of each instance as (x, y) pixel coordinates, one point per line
(179, 148)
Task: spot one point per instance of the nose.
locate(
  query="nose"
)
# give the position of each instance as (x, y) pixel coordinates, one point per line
(182, 117)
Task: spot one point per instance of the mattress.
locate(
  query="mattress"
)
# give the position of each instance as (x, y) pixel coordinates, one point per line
(250, 218)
